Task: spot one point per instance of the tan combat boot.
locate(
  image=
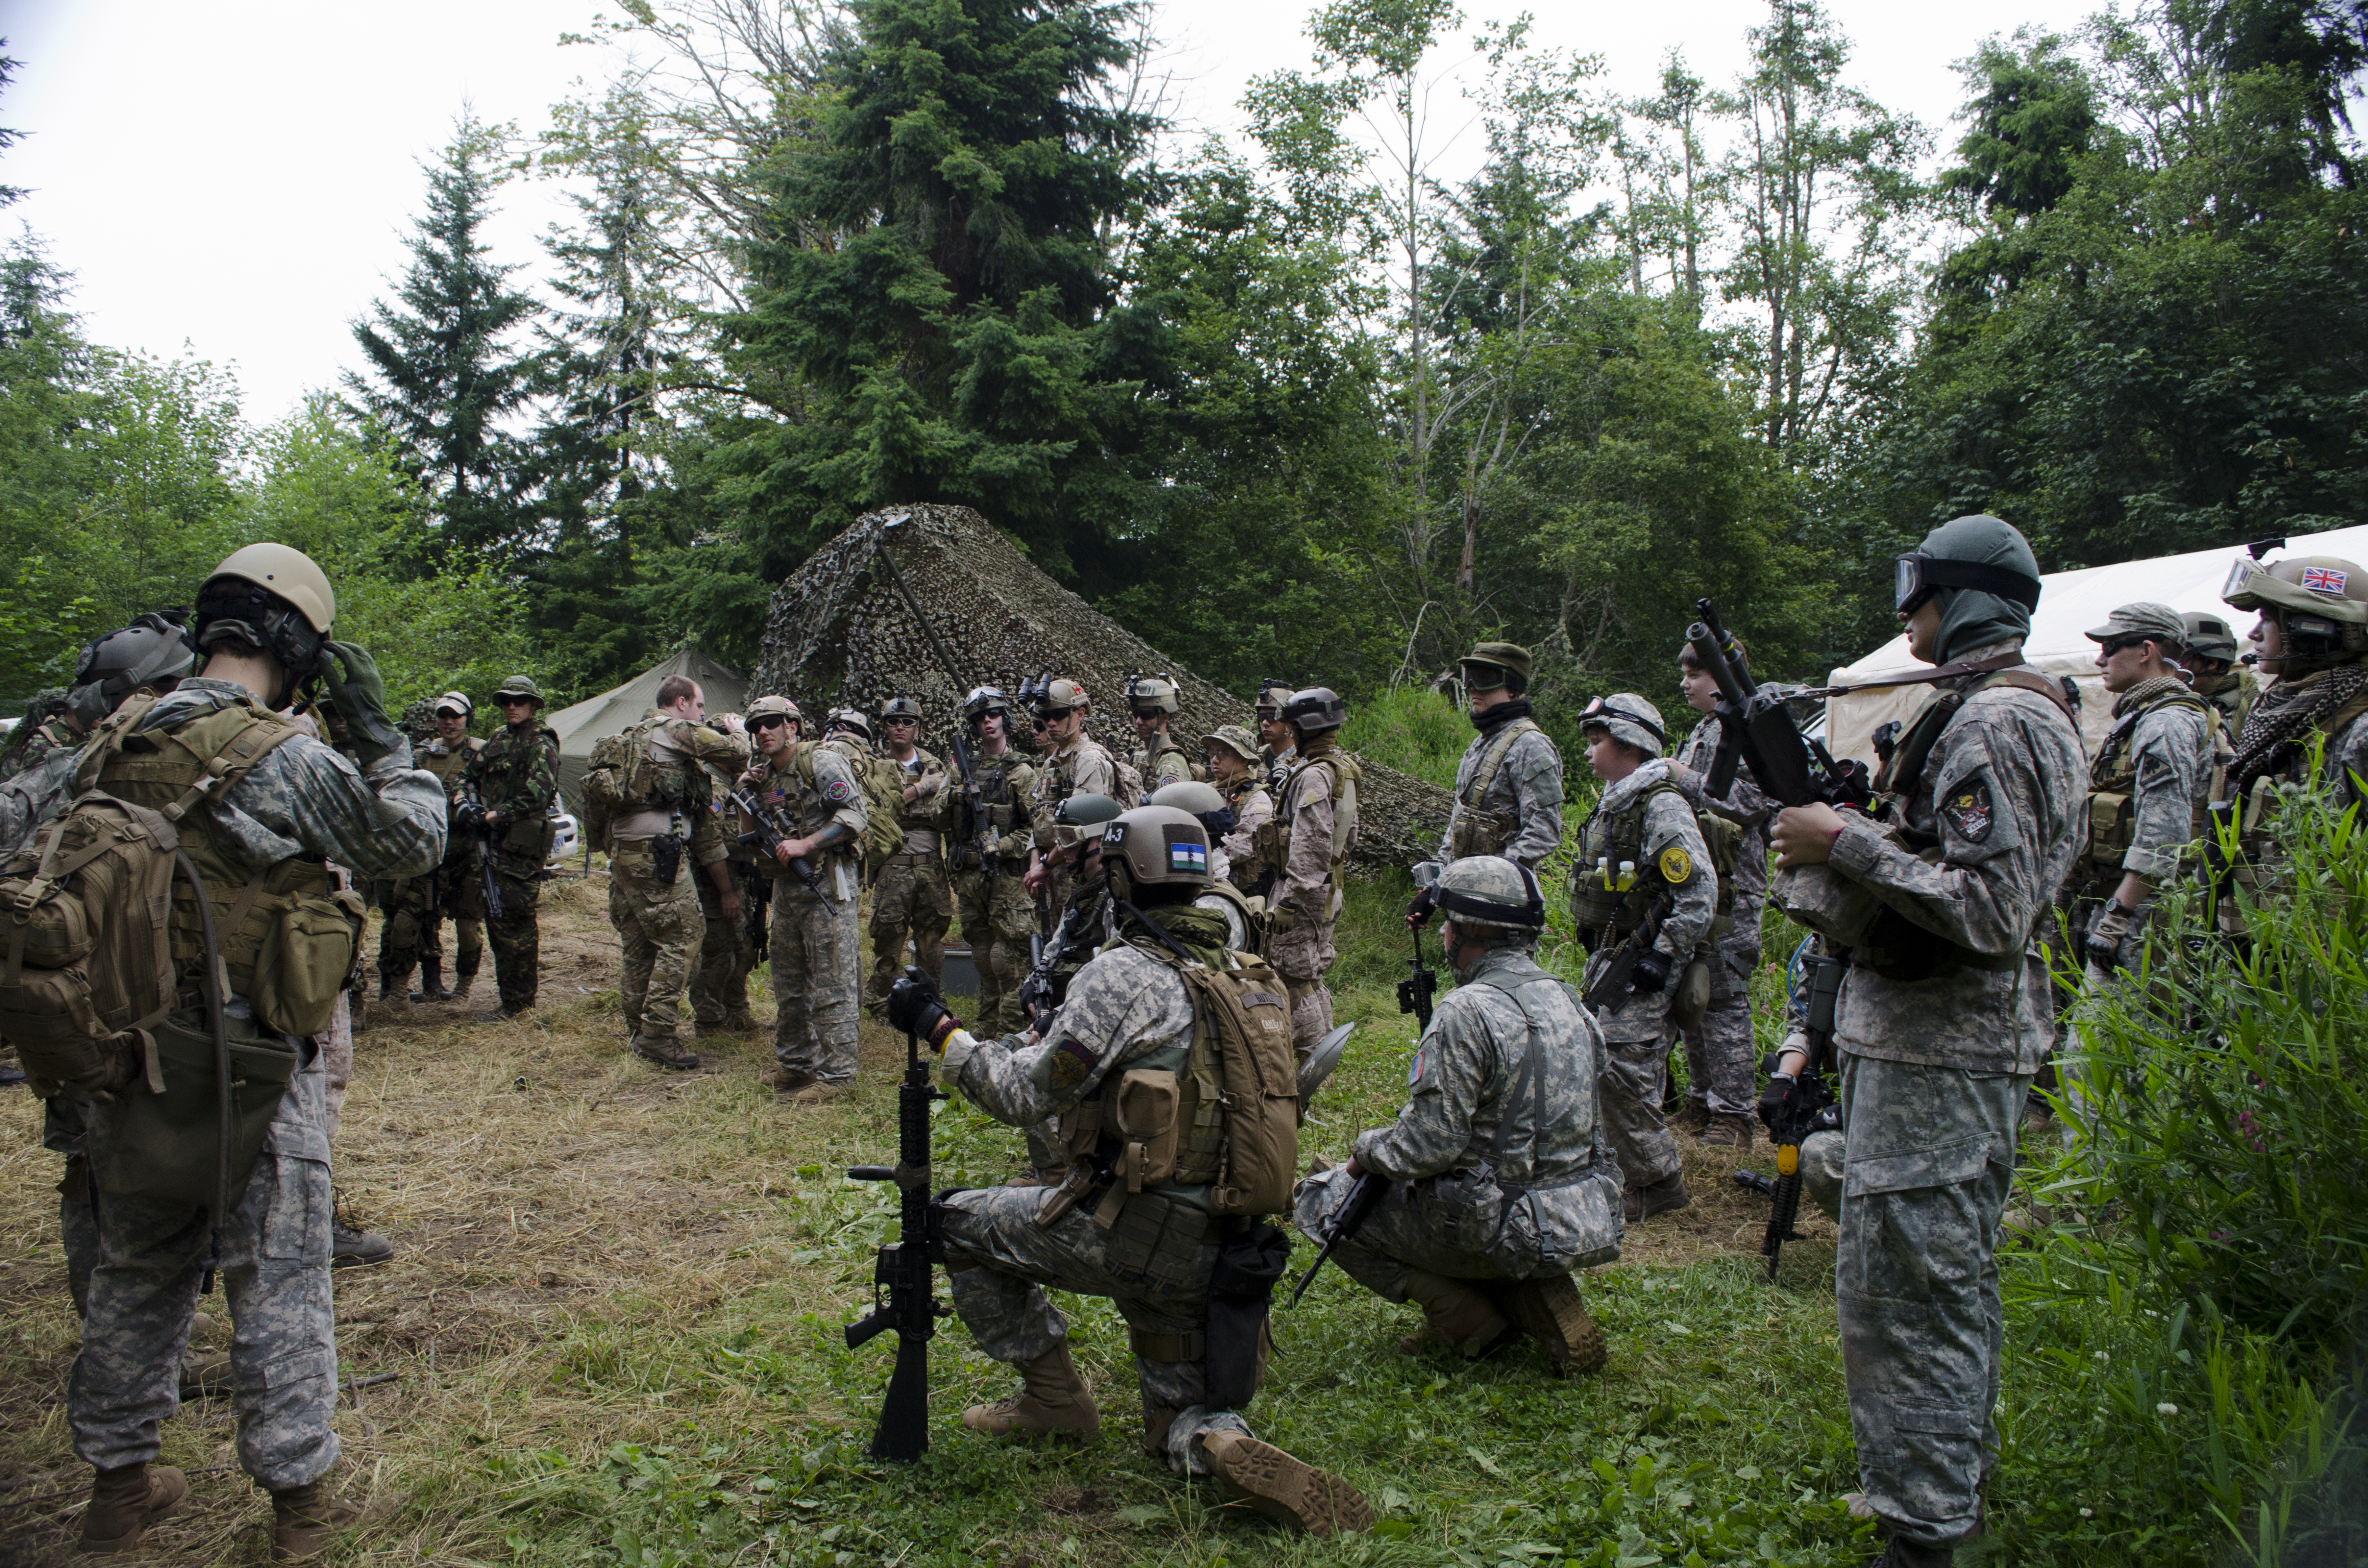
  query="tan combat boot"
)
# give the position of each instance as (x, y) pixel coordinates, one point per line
(1052, 1399)
(125, 1501)
(1553, 1315)
(305, 1519)
(666, 1050)
(1641, 1203)
(393, 1003)
(1693, 1119)
(1283, 1488)
(821, 1091)
(1727, 1131)
(1454, 1312)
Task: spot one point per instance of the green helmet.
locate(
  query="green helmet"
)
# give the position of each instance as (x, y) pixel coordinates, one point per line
(2320, 602)
(1161, 846)
(1080, 817)
(1316, 710)
(1629, 718)
(1488, 890)
(2210, 637)
(519, 685)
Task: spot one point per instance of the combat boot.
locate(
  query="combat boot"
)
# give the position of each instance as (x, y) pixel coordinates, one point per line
(305, 1519)
(1641, 1203)
(1454, 1312)
(394, 999)
(1727, 1131)
(1052, 1399)
(205, 1377)
(1551, 1311)
(125, 1501)
(463, 977)
(1693, 1119)
(350, 1246)
(1282, 1488)
(821, 1091)
(664, 1050)
(504, 1013)
(431, 980)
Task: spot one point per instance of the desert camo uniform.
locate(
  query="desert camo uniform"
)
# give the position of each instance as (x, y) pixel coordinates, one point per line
(813, 943)
(1082, 766)
(1306, 905)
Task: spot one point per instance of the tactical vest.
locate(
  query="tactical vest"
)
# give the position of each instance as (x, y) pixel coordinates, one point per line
(1145, 763)
(641, 781)
(1474, 829)
(1270, 845)
(1613, 887)
(2111, 816)
(447, 763)
(997, 794)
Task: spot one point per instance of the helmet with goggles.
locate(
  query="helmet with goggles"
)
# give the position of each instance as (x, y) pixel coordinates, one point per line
(1629, 718)
(2320, 602)
(1917, 576)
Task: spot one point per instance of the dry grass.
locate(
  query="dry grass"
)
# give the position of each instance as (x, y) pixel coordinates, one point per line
(592, 1253)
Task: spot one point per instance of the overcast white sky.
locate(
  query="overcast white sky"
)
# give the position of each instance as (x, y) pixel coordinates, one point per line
(235, 179)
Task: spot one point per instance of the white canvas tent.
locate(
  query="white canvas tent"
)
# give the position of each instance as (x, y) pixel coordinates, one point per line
(595, 718)
(2069, 603)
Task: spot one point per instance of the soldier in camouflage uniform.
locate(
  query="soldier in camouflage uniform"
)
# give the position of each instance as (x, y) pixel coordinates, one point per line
(810, 793)
(299, 803)
(1641, 859)
(1233, 763)
(1502, 1184)
(1307, 844)
(1277, 744)
(1721, 1065)
(646, 806)
(44, 738)
(415, 907)
(1508, 784)
(1072, 763)
(2215, 674)
(996, 915)
(911, 897)
(1160, 761)
(728, 949)
(507, 790)
(1155, 1246)
(2313, 642)
(1944, 1016)
(2146, 784)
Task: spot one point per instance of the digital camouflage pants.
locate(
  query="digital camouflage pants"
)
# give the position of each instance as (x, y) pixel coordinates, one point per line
(660, 928)
(911, 899)
(516, 938)
(1302, 956)
(1721, 1067)
(814, 954)
(414, 921)
(1636, 1033)
(1929, 1157)
(719, 989)
(997, 918)
(142, 1289)
(999, 1262)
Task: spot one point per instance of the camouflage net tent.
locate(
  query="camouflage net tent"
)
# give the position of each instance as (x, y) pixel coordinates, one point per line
(839, 635)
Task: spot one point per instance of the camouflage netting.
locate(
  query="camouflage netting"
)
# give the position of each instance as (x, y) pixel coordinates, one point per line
(838, 635)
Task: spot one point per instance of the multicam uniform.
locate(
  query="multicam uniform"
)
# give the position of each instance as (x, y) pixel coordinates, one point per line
(727, 948)
(1721, 1065)
(2146, 787)
(300, 804)
(517, 774)
(911, 897)
(998, 916)
(1642, 820)
(417, 907)
(1161, 762)
(1316, 826)
(649, 811)
(1508, 791)
(1253, 808)
(807, 787)
(1081, 766)
(1501, 1168)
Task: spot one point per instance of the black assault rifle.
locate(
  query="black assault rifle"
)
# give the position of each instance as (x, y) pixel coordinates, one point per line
(1039, 995)
(767, 838)
(1365, 1192)
(1416, 989)
(1757, 729)
(904, 1290)
(978, 829)
(471, 817)
(1802, 1112)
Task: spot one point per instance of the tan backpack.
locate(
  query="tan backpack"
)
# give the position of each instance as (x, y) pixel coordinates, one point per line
(1230, 1121)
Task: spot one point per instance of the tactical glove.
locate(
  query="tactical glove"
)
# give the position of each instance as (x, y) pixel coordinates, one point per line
(1419, 910)
(914, 1007)
(2105, 934)
(1651, 973)
(360, 694)
(1776, 1099)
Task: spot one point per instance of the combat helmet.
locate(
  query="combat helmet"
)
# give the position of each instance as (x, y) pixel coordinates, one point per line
(1155, 847)
(273, 600)
(2320, 602)
(2210, 636)
(1200, 801)
(982, 700)
(1058, 696)
(853, 719)
(900, 707)
(1316, 710)
(1151, 694)
(773, 708)
(1629, 718)
(519, 685)
(1273, 692)
(153, 651)
(1081, 817)
(1488, 890)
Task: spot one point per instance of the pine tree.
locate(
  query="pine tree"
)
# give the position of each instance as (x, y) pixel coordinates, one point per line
(443, 377)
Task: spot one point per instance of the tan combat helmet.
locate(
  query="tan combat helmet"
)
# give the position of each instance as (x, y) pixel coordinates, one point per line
(982, 700)
(274, 599)
(1147, 695)
(774, 708)
(1159, 846)
(900, 707)
(2320, 602)
(1059, 697)
(853, 719)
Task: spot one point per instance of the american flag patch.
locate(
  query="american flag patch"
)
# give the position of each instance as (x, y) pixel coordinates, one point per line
(2325, 579)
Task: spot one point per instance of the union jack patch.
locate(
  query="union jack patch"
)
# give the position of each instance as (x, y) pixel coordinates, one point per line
(2325, 579)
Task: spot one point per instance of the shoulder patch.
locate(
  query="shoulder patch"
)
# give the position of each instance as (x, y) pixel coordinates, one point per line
(838, 791)
(1969, 811)
(1413, 1073)
(1071, 1064)
(1677, 866)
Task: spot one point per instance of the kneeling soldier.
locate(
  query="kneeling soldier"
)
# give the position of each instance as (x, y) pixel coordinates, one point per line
(1501, 1181)
(1164, 1217)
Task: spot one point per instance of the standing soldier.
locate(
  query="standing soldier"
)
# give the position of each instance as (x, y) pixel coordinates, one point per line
(1152, 699)
(1501, 1185)
(993, 904)
(1720, 1066)
(646, 806)
(259, 807)
(911, 898)
(1147, 1232)
(2146, 785)
(1944, 1015)
(1315, 824)
(1642, 865)
(508, 788)
(809, 792)
(1277, 750)
(2312, 640)
(727, 948)
(1072, 763)
(416, 906)
(1234, 769)
(2215, 674)
(1508, 785)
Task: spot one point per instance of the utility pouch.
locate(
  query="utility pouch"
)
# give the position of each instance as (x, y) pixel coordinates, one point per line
(1239, 1286)
(529, 841)
(2111, 820)
(303, 967)
(1147, 1102)
(665, 859)
(1155, 1243)
(162, 1145)
(1690, 998)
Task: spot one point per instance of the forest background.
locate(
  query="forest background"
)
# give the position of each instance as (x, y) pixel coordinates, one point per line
(1296, 404)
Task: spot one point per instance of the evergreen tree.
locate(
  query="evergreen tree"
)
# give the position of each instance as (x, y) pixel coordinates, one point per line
(442, 374)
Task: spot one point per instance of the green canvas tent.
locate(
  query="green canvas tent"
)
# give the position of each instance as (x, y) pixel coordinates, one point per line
(587, 722)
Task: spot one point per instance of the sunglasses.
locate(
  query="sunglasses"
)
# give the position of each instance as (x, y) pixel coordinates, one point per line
(2109, 648)
(773, 722)
(902, 723)
(515, 701)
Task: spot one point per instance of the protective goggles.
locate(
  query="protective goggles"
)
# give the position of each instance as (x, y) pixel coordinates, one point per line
(1531, 915)
(1918, 577)
(1601, 712)
(2250, 585)
(1481, 675)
